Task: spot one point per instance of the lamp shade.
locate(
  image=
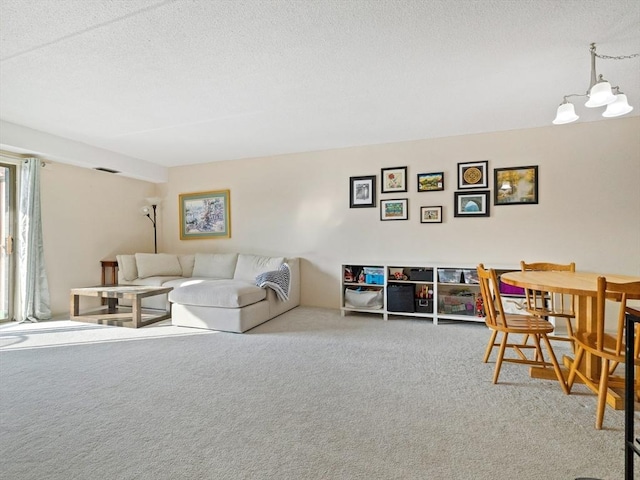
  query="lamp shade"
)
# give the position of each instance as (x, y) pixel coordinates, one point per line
(600, 95)
(566, 114)
(619, 107)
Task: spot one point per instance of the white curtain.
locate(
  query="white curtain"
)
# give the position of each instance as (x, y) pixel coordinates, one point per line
(33, 288)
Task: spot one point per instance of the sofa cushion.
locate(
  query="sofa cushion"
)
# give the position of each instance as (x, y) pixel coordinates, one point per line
(127, 266)
(250, 266)
(214, 265)
(154, 264)
(218, 293)
(186, 262)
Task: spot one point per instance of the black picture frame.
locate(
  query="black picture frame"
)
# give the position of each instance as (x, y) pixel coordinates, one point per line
(472, 204)
(430, 182)
(473, 175)
(515, 185)
(394, 209)
(393, 180)
(431, 214)
(362, 191)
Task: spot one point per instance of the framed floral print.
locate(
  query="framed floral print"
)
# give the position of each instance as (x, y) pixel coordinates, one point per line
(394, 179)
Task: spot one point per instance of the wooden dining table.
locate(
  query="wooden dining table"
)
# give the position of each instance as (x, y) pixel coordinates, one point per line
(584, 287)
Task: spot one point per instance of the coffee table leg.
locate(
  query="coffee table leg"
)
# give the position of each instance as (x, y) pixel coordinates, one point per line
(75, 305)
(136, 312)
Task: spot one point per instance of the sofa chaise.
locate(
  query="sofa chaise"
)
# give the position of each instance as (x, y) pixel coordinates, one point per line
(231, 292)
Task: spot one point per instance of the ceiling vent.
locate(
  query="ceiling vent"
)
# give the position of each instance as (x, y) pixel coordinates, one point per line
(108, 170)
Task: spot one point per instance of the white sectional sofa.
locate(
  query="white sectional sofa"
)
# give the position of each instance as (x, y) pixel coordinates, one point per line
(216, 291)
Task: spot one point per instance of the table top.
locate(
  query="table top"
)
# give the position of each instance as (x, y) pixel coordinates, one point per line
(120, 291)
(570, 283)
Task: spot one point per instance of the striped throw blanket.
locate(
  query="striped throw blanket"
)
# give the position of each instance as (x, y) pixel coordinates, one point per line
(277, 280)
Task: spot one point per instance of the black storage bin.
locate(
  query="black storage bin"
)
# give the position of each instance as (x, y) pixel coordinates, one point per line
(424, 305)
(400, 298)
(417, 274)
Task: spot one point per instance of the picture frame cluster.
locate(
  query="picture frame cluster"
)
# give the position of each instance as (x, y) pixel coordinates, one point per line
(512, 186)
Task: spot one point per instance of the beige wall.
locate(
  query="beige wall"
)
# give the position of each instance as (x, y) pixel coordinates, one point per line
(88, 216)
(299, 205)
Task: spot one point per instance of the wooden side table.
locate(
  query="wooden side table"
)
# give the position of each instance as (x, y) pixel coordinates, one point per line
(111, 265)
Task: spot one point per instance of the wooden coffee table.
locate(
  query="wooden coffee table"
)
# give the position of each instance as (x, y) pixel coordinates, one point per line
(113, 316)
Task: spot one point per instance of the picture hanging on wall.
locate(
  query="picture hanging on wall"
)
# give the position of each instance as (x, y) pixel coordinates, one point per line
(515, 186)
(471, 204)
(362, 192)
(394, 179)
(205, 215)
(430, 182)
(473, 175)
(431, 214)
(395, 209)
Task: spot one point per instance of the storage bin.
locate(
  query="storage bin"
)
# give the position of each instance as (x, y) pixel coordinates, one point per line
(374, 279)
(400, 298)
(424, 305)
(371, 299)
(420, 274)
(461, 304)
(506, 289)
(449, 275)
(470, 276)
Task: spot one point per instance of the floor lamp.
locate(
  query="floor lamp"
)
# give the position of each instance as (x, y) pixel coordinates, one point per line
(146, 211)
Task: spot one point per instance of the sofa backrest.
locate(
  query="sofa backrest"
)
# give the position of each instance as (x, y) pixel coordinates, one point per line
(250, 266)
(214, 265)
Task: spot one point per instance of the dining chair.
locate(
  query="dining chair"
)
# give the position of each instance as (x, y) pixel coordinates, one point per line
(506, 324)
(608, 347)
(547, 304)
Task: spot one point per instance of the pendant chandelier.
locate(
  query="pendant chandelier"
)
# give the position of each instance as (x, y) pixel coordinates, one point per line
(599, 94)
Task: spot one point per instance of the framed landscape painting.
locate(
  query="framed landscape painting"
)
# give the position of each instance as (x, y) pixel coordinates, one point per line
(471, 204)
(394, 209)
(515, 186)
(362, 192)
(430, 182)
(431, 214)
(204, 215)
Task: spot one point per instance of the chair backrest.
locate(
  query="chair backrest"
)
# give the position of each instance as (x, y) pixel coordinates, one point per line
(614, 292)
(491, 296)
(540, 300)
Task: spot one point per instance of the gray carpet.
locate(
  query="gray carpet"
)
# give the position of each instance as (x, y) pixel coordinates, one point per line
(308, 395)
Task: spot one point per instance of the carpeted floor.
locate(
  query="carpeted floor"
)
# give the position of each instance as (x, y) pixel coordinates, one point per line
(308, 395)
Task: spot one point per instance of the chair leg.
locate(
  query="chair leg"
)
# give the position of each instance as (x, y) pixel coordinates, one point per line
(574, 367)
(602, 393)
(556, 367)
(503, 346)
(492, 340)
(570, 333)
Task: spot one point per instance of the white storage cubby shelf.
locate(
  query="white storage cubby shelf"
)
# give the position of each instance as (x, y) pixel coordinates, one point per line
(425, 291)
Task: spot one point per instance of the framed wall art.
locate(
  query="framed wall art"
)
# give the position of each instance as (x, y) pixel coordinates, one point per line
(394, 179)
(431, 214)
(515, 186)
(430, 182)
(395, 209)
(205, 215)
(471, 204)
(473, 175)
(362, 192)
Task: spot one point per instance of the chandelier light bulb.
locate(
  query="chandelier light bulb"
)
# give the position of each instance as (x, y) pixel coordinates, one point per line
(618, 108)
(566, 114)
(600, 95)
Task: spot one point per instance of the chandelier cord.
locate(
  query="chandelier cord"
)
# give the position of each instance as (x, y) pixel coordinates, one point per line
(621, 57)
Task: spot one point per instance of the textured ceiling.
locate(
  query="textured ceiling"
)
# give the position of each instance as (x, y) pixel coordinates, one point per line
(177, 82)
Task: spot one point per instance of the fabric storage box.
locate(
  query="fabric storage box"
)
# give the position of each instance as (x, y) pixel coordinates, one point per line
(424, 305)
(400, 298)
(374, 275)
(506, 289)
(462, 304)
(416, 274)
(363, 298)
